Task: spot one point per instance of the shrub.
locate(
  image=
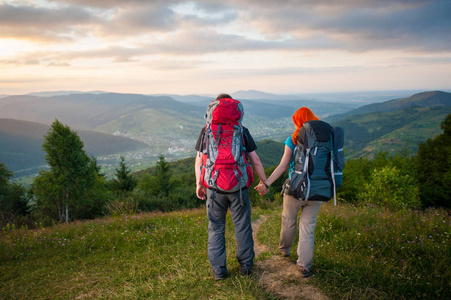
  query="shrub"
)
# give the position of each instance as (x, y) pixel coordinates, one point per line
(388, 187)
(355, 174)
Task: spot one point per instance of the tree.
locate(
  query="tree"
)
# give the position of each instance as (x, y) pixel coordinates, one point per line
(13, 197)
(71, 170)
(124, 181)
(49, 197)
(5, 175)
(159, 183)
(163, 176)
(434, 168)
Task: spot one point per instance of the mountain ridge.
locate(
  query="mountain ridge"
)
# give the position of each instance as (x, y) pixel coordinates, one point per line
(22, 141)
(171, 127)
(428, 98)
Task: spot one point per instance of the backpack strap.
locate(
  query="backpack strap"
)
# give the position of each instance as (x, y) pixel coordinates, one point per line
(206, 141)
(333, 178)
(307, 159)
(218, 133)
(332, 171)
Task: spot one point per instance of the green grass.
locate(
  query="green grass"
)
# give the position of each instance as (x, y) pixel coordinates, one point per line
(360, 253)
(372, 253)
(147, 256)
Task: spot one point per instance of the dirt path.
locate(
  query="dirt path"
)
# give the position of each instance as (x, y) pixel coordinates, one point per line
(279, 275)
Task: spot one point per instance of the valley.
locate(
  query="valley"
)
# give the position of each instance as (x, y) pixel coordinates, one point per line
(143, 127)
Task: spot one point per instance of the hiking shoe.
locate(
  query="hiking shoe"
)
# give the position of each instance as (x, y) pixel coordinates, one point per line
(221, 277)
(304, 272)
(284, 254)
(246, 271)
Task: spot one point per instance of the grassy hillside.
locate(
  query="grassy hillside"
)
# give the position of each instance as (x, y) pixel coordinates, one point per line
(368, 134)
(360, 253)
(148, 256)
(21, 146)
(270, 152)
(424, 99)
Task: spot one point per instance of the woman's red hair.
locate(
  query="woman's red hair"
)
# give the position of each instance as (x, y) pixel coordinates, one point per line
(301, 116)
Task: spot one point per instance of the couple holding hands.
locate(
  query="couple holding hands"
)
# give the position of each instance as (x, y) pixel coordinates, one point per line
(218, 202)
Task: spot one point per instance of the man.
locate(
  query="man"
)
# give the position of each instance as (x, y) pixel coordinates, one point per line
(218, 203)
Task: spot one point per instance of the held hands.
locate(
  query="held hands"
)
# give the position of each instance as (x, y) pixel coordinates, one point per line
(261, 188)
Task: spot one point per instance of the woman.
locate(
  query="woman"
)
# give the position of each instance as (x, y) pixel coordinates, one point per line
(291, 205)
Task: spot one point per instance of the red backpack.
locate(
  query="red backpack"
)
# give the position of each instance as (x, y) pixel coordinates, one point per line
(225, 167)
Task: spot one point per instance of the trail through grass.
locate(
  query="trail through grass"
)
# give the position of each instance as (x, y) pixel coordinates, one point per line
(372, 253)
(360, 253)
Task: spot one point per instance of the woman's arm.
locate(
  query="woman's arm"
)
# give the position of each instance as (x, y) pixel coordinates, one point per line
(282, 167)
(262, 188)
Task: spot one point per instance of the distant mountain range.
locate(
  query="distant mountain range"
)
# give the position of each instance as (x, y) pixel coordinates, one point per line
(362, 98)
(169, 124)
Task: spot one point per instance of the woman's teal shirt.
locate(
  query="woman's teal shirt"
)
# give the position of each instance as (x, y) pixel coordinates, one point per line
(292, 146)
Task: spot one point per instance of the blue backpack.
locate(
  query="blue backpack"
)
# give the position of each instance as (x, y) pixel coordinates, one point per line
(318, 164)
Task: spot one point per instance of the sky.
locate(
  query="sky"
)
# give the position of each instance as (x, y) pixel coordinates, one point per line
(211, 47)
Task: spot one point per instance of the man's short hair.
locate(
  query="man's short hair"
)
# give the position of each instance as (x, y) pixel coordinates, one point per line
(223, 96)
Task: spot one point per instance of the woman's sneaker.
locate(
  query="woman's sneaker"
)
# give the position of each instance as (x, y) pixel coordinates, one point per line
(304, 272)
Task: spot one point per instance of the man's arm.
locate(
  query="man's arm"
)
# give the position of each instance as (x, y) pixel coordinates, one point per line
(257, 164)
(200, 189)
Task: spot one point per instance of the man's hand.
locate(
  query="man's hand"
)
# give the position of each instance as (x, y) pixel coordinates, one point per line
(261, 189)
(201, 192)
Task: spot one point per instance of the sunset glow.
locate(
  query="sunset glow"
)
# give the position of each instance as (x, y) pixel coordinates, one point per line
(209, 46)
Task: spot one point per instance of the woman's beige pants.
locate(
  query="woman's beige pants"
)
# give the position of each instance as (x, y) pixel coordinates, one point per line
(307, 224)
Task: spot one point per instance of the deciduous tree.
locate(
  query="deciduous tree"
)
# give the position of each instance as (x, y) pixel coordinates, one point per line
(13, 197)
(71, 170)
(434, 168)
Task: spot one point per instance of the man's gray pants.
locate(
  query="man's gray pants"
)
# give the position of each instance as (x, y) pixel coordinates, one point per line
(240, 208)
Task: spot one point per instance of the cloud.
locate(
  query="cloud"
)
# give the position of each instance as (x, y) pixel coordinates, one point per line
(47, 24)
(362, 25)
(116, 54)
(142, 19)
(138, 28)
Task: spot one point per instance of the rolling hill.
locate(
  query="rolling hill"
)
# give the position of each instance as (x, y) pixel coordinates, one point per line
(170, 127)
(166, 125)
(86, 111)
(424, 99)
(22, 140)
(395, 125)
